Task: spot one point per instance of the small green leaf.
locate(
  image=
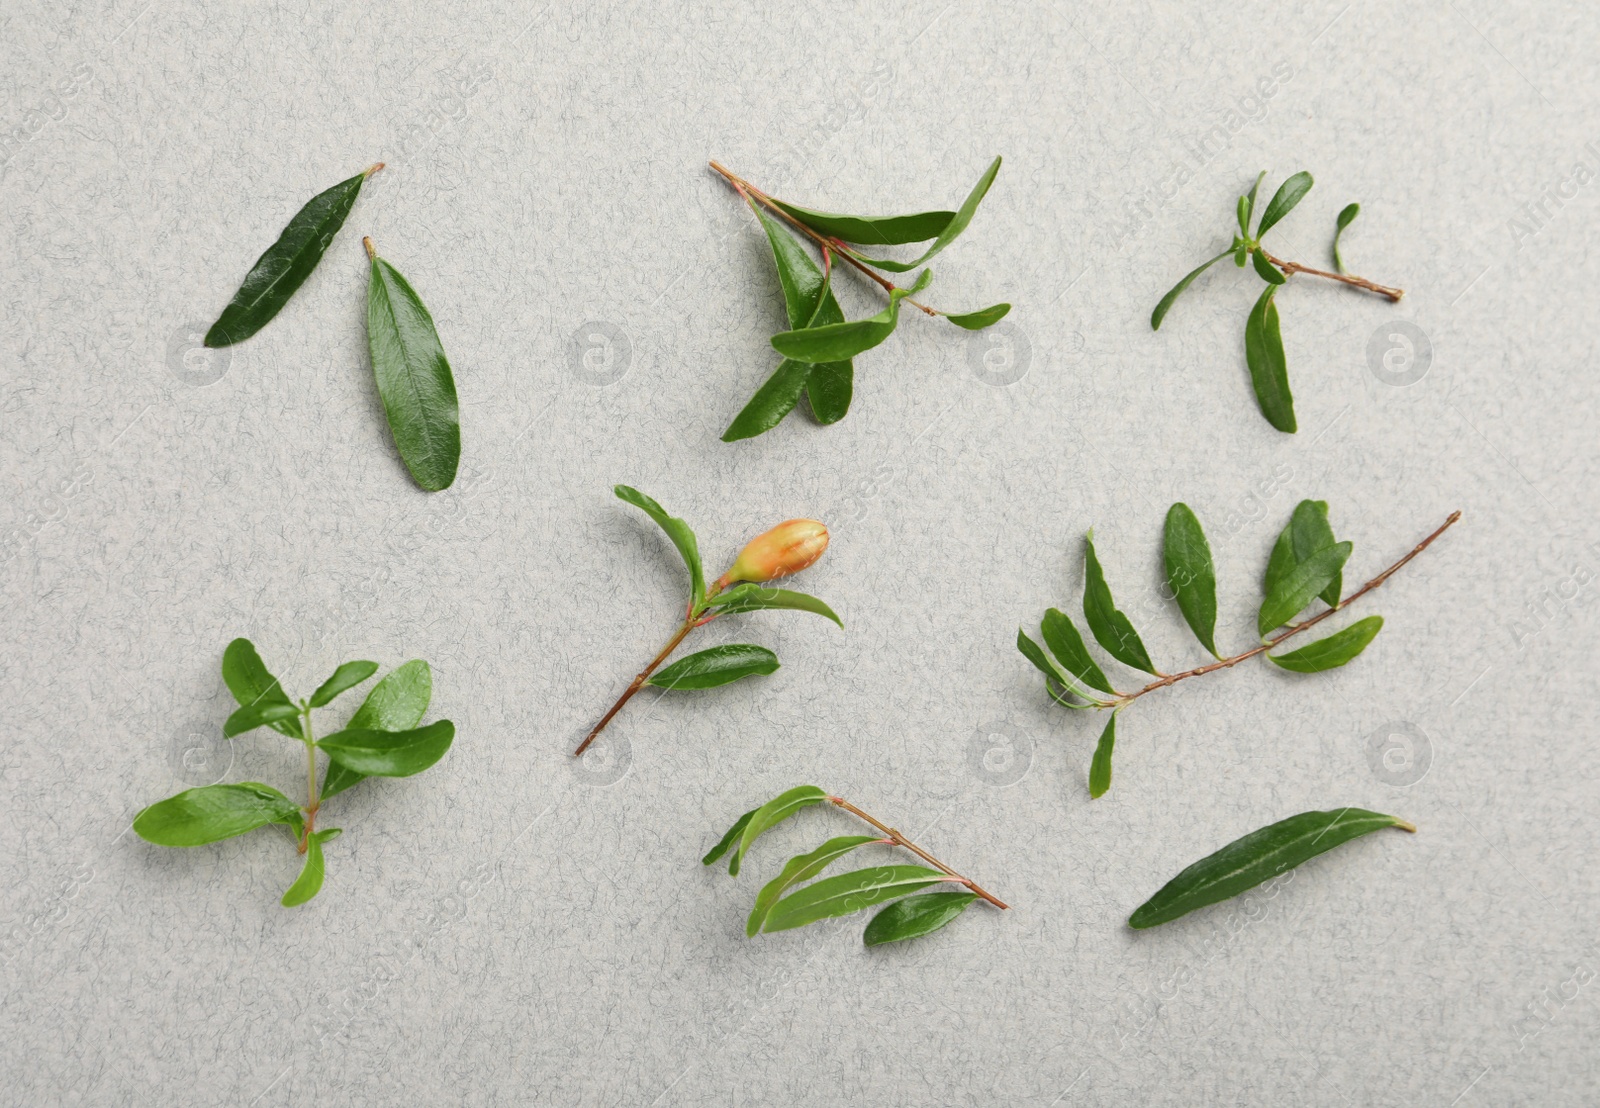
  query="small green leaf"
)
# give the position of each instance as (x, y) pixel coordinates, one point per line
(1333, 651)
(848, 893)
(309, 883)
(1310, 532)
(286, 264)
(213, 813)
(772, 401)
(1250, 203)
(872, 230)
(772, 813)
(1346, 217)
(1061, 636)
(837, 342)
(347, 676)
(947, 234)
(829, 389)
(1290, 193)
(727, 840)
(1281, 560)
(1257, 857)
(749, 597)
(1241, 253)
(977, 321)
(1100, 765)
(717, 666)
(915, 915)
(250, 683)
(802, 280)
(1111, 629)
(1243, 214)
(390, 753)
(397, 703)
(1177, 290)
(1299, 585)
(802, 867)
(1268, 272)
(1190, 574)
(414, 379)
(1269, 369)
(256, 715)
(1032, 651)
(677, 530)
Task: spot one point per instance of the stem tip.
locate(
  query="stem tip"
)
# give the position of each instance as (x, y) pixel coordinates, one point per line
(366, 241)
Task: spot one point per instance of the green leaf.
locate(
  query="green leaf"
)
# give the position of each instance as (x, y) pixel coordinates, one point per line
(1346, 217)
(1242, 211)
(829, 389)
(1177, 290)
(1299, 585)
(772, 813)
(727, 840)
(1190, 574)
(1250, 203)
(1269, 370)
(250, 683)
(872, 230)
(946, 235)
(977, 321)
(1268, 272)
(749, 597)
(772, 401)
(286, 264)
(1111, 629)
(1259, 856)
(1061, 636)
(717, 666)
(347, 676)
(390, 753)
(849, 893)
(677, 530)
(1032, 651)
(915, 915)
(256, 715)
(1290, 193)
(802, 867)
(213, 813)
(1100, 765)
(414, 379)
(837, 342)
(1241, 252)
(309, 883)
(802, 280)
(1310, 532)
(1333, 651)
(397, 703)
(1281, 560)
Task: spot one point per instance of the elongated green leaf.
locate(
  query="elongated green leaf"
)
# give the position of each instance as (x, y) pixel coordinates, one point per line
(836, 342)
(286, 264)
(1281, 560)
(390, 753)
(1242, 212)
(915, 915)
(802, 280)
(347, 676)
(727, 840)
(1100, 766)
(947, 234)
(872, 230)
(772, 401)
(677, 530)
(249, 681)
(1290, 193)
(1061, 636)
(1269, 370)
(1035, 654)
(1296, 588)
(1177, 290)
(977, 321)
(213, 813)
(848, 893)
(1268, 272)
(414, 379)
(397, 703)
(1190, 573)
(770, 814)
(1310, 532)
(718, 665)
(1346, 217)
(1257, 857)
(309, 883)
(754, 598)
(1111, 629)
(1333, 651)
(802, 867)
(256, 715)
(1250, 202)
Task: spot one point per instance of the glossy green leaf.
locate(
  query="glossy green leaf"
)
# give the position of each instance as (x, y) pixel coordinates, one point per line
(977, 321)
(1257, 857)
(915, 915)
(1242, 212)
(347, 676)
(414, 379)
(1310, 532)
(770, 814)
(1299, 585)
(946, 235)
(718, 665)
(256, 715)
(836, 342)
(1061, 636)
(1290, 193)
(309, 883)
(249, 681)
(1035, 654)
(800, 277)
(802, 867)
(1280, 561)
(1177, 290)
(1346, 217)
(1267, 271)
(677, 530)
(848, 893)
(1100, 765)
(286, 264)
(1333, 651)
(1190, 573)
(1250, 202)
(1241, 253)
(727, 840)
(213, 813)
(397, 703)
(749, 597)
(830, 389)
(1269, 369)
(872, 230)
(1110, 628)
(772, 401)
(390, 753)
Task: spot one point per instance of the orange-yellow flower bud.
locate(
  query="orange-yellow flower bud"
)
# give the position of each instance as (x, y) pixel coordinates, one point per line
(788, 548)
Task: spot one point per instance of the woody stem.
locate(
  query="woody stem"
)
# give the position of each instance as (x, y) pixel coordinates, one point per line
(900, 840)
(1290, 268)
(637, 684)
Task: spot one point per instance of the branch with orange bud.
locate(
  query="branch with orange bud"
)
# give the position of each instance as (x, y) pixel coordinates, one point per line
(788, 548)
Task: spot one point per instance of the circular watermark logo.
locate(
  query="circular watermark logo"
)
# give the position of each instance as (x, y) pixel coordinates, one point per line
(606, 762)
(1399, 753)
(599, 353)
(999, 355)
(198, 754)
(1399, 353)
(999, 753)
(191, 361)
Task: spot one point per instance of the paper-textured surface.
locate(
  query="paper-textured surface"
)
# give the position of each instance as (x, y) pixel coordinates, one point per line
(512, 927)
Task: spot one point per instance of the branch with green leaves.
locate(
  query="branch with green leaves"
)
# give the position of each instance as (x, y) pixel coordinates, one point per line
(785, 903)
(1263, 339)
(787, 548)
(1306, 564)
(382, 739)
(820, 346)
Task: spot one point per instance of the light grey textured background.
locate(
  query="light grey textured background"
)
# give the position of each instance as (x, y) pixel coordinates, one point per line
(512, 928)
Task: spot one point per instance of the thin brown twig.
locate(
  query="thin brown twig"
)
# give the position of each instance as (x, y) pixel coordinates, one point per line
(1290, 268)
(900, 840)
(637, 684)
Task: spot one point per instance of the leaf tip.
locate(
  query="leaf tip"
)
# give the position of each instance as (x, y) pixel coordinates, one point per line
(1406, 825)
(371, 169)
